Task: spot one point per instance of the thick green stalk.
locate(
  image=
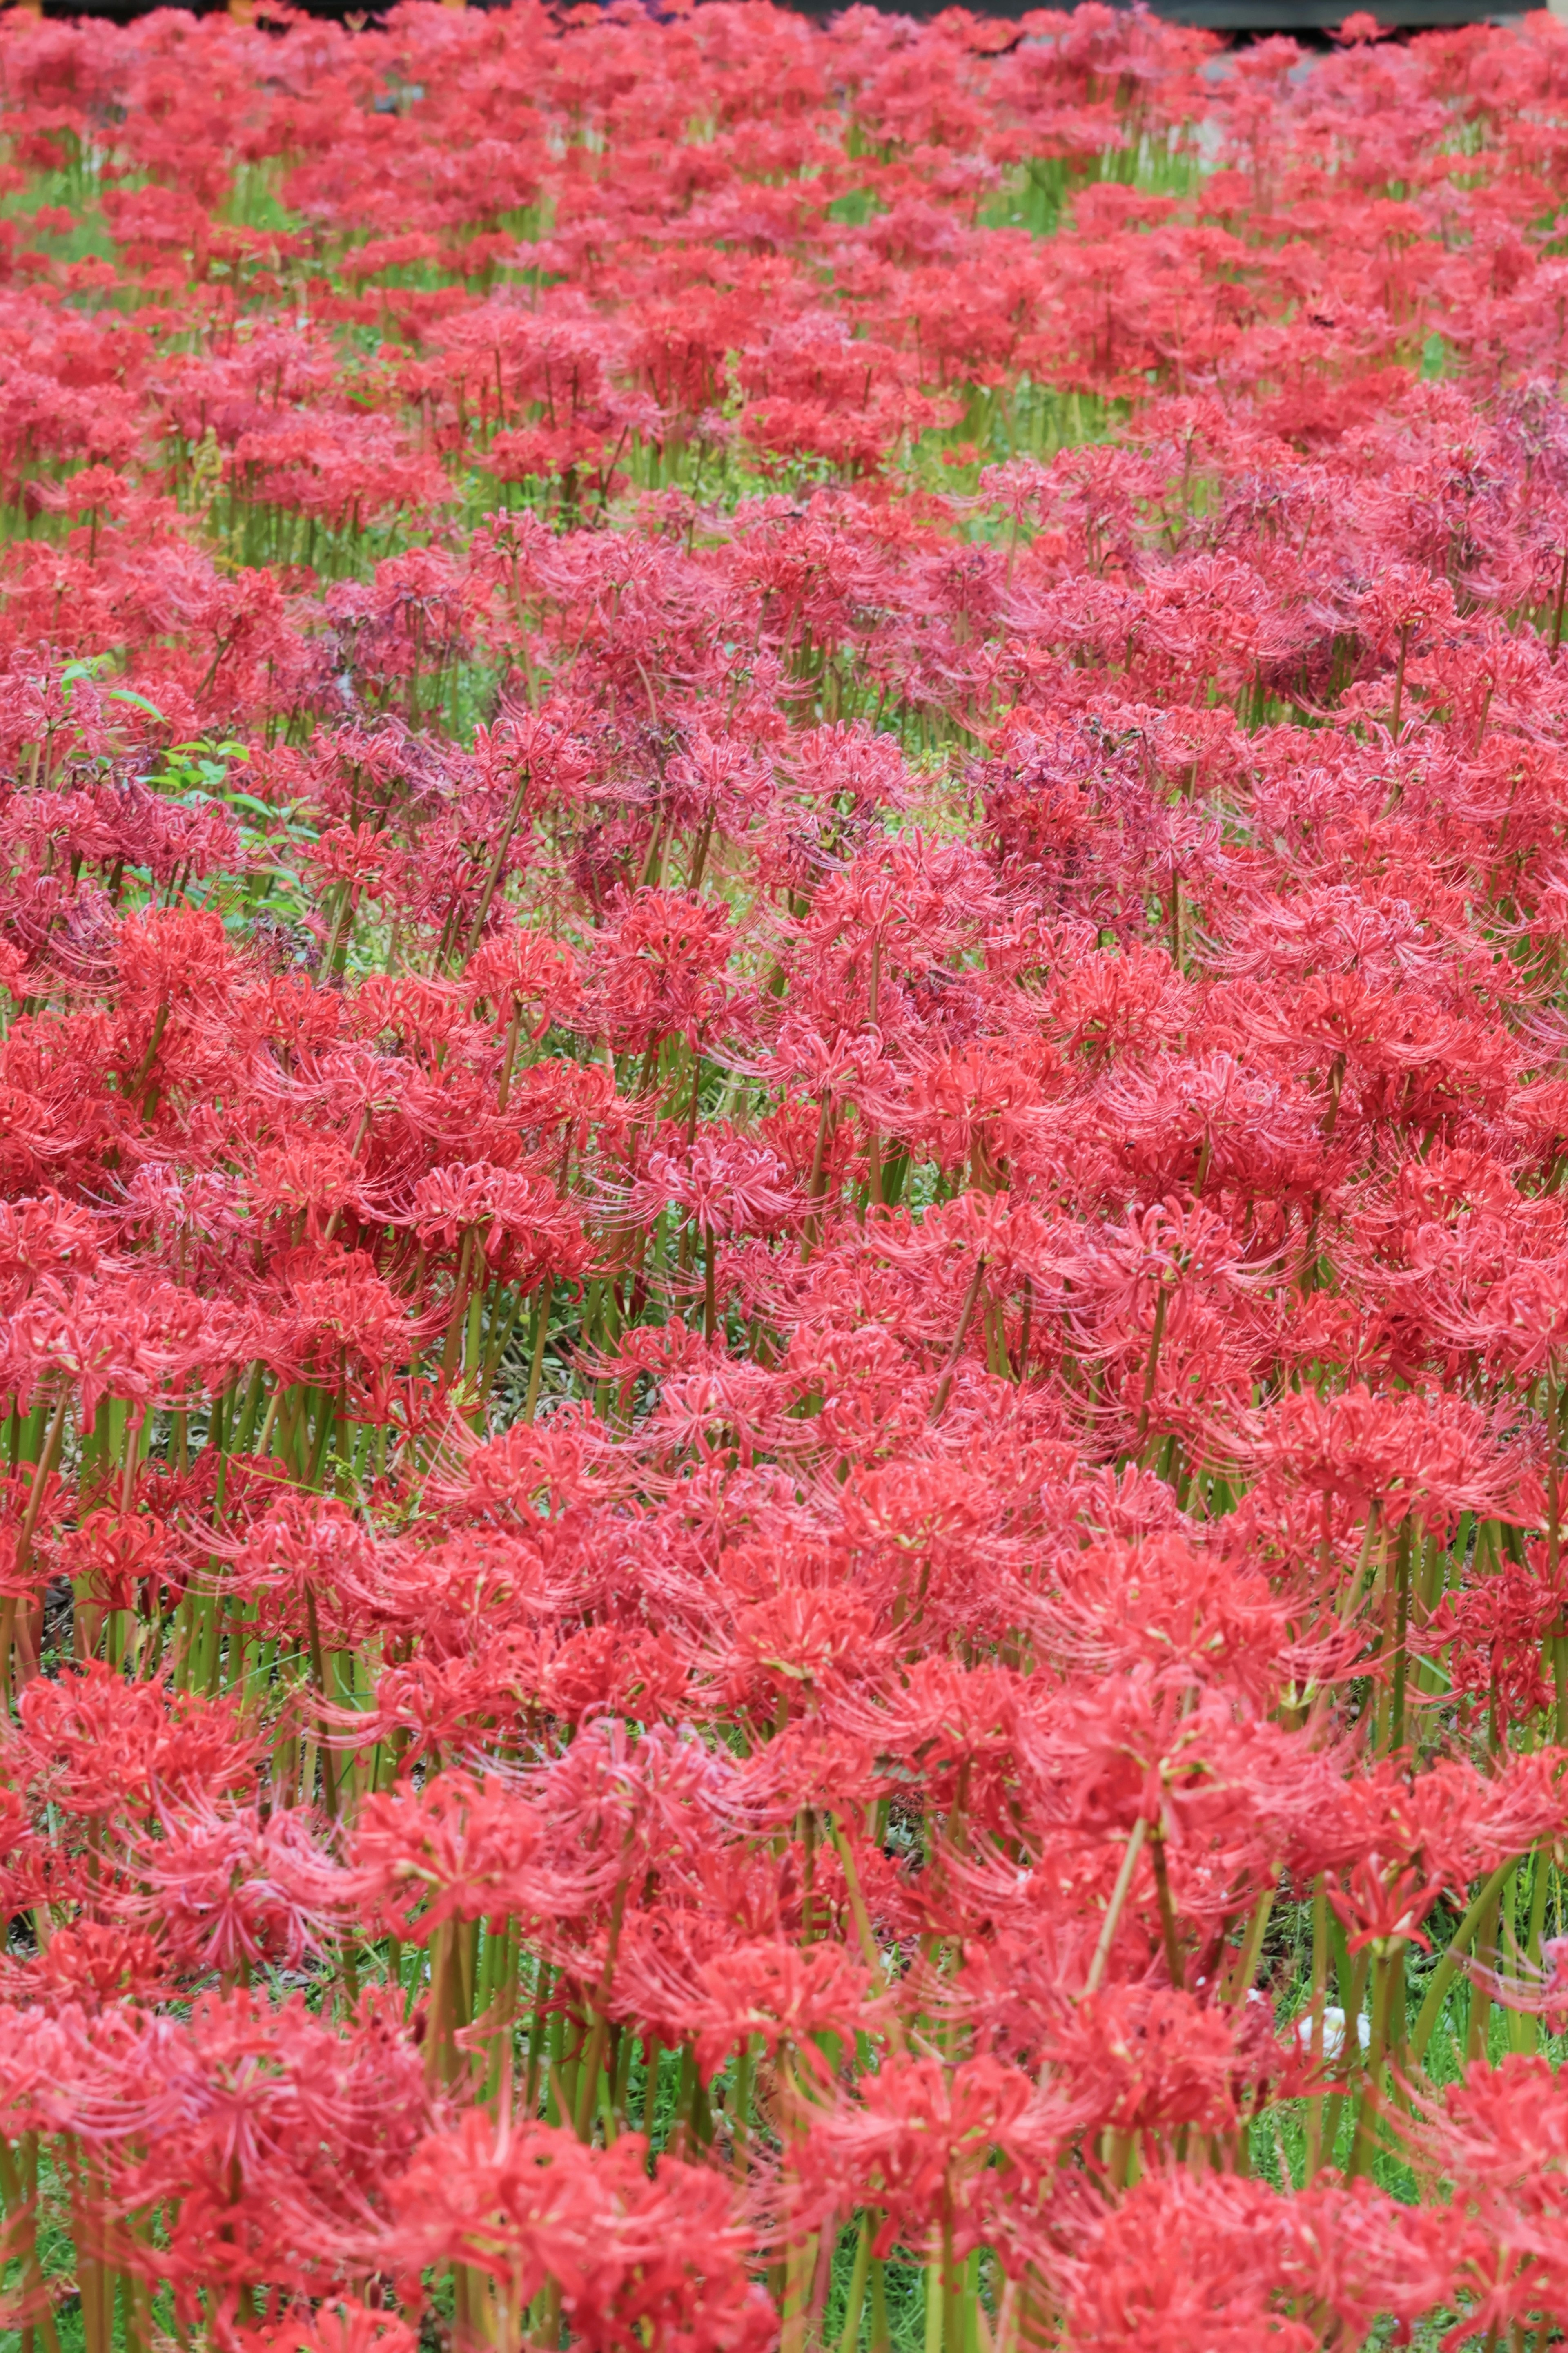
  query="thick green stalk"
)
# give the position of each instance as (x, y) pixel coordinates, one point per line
(849, 2335)
(1168, 1935)
(1447, 1968)
(541, 1335)
(1401, 1637)
(1317, 2001)
(19, 2188)
(1386, 1972)
(1108, 1927)
(1476, 2038)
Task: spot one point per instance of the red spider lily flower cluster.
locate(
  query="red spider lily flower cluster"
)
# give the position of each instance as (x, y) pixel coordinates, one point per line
(783, 1241)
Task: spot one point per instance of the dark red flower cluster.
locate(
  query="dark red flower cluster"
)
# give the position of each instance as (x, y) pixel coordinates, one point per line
(784, 1251)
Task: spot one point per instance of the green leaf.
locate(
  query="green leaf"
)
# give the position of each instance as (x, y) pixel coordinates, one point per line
(124, 694)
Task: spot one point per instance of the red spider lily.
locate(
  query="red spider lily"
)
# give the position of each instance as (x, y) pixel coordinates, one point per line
(93, 1966)
(782, 1181)
(726, 1183)
(1154, 2060)
(340, 2325)
(1225, 2262)
(253, 2120)
(920, 2144)
(780, 1995)
(97, 1743)
(635, 2259)
(228, 1890)
(1539, 1992)
(1498, 2136)
(456, 1849)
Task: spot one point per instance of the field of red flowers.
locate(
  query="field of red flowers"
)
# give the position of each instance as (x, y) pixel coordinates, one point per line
(783, 1241)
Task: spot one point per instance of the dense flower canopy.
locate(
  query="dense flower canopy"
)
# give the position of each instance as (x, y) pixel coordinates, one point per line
(784, 1257)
